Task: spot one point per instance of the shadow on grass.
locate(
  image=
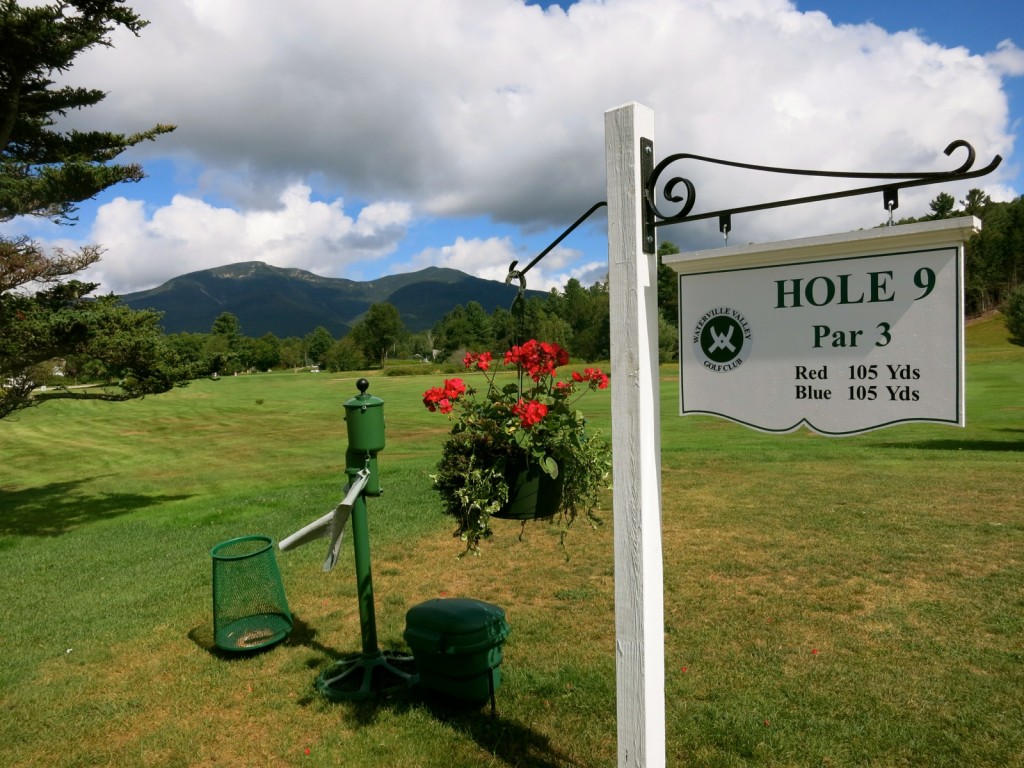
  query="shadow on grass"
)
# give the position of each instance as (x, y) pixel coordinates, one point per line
(1014, 443)
(56, 508)
(960, 445)
(510, 742)
(301, 635)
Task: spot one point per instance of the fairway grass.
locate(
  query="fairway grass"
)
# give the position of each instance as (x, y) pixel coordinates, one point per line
(828, 602)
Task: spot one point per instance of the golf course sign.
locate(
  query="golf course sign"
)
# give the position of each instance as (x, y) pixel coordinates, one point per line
(841, 333)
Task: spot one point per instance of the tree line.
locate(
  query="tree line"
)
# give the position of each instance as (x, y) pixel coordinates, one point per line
(576, 318)
(994, 260)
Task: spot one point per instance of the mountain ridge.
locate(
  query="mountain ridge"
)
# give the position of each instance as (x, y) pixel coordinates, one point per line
(288, 301)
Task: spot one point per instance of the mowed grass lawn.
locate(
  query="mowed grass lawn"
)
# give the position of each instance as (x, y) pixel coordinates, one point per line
(828, 602)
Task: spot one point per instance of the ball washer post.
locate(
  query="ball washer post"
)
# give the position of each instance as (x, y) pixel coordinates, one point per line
(371, 672)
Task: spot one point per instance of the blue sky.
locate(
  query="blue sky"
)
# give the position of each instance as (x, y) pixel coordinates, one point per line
(325, 136)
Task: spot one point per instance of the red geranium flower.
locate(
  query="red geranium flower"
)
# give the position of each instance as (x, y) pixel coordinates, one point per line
(442, 398)
(537, 358)
(481, 361)
(454, 388)
(530, 413)
(596, 376)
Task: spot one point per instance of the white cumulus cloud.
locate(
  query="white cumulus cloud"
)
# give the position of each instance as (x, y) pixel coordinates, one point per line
(190, 234)
(451, 109)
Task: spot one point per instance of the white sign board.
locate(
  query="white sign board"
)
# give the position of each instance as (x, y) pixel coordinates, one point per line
(843, 333)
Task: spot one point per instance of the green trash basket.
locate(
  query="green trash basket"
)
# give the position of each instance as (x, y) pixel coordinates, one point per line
(250, 610)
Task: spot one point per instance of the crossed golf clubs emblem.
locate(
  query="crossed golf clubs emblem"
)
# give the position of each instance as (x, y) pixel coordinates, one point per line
(722, 340)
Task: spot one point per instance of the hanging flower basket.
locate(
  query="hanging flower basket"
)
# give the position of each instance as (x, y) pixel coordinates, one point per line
(518, 450)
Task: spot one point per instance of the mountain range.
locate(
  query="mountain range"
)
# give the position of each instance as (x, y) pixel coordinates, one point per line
(293, 302)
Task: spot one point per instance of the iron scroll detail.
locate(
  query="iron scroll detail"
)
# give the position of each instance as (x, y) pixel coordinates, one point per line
(686, 197)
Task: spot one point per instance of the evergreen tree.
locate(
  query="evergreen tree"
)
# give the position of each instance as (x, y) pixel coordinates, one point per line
(975, 203)
(595, 341)
(942, 206)
(228, 325)
(504, 330)
(223, 344)
(1014, 311)
(43, 171)
(668, 286)
(46, 172)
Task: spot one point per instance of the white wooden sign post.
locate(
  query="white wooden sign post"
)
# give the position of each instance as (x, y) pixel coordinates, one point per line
(636, 449)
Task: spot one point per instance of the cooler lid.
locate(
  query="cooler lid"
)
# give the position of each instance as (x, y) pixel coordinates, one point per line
(455, 625)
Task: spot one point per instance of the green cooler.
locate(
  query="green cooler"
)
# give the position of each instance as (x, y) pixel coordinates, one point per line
(457, 644)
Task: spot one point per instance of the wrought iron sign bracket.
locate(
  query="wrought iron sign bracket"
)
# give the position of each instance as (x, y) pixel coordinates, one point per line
(520, 274)
(651, 174)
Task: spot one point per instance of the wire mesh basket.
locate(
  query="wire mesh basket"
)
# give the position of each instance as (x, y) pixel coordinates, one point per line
(250, 609)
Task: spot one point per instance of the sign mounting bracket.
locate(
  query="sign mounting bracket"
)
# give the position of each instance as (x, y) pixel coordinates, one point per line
(654, 217)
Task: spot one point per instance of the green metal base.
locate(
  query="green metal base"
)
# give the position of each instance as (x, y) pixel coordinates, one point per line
(363, 676)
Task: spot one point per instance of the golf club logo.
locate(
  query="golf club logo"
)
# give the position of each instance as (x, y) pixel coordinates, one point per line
(721, 339)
